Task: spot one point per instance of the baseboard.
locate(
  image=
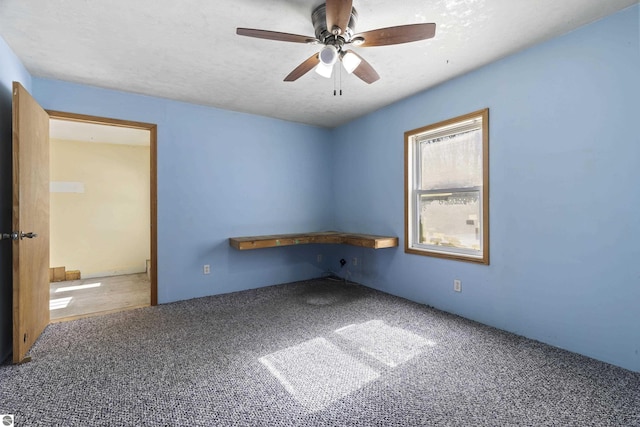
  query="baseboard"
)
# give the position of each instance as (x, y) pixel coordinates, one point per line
(119, 272)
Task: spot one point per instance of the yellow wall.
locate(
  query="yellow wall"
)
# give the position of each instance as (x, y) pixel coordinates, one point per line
(103, 231)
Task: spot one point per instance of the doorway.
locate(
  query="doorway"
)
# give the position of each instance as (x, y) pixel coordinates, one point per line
(103, 215)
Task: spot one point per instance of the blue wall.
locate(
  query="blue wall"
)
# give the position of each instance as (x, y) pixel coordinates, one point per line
(220, 174)
(564, 198)
(11, 69)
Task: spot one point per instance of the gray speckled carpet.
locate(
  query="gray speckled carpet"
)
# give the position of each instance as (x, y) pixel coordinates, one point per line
(314, 353)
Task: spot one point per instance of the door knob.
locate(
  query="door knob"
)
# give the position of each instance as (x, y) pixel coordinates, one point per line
(14, 235)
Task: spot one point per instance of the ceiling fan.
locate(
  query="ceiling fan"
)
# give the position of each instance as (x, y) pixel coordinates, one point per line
(334, 23)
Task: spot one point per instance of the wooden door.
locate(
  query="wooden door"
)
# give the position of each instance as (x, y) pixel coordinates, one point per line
(30, 215)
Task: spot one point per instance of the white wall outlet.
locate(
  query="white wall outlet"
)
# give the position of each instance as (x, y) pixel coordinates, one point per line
(206, 269)
(457, 285)
(319, 258)
(354, 261)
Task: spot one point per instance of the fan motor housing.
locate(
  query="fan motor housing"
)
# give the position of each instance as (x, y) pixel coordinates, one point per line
(319, 19)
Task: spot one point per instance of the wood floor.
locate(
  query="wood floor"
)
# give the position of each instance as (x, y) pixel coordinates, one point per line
(90, 297)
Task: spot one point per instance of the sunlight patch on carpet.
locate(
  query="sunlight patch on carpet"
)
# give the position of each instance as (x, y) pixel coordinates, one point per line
(390, 345)
(317, 373)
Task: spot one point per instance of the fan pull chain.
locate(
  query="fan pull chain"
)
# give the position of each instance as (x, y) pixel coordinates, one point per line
(337, 82)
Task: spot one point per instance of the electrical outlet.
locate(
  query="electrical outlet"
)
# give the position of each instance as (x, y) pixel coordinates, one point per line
(457, 285)
(206, 269)
(354, 261)
(319, 258)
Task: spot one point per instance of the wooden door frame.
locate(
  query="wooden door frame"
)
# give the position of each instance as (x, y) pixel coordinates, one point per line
(153, 179)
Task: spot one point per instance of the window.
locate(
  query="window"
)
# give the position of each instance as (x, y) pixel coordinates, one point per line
(447, 189)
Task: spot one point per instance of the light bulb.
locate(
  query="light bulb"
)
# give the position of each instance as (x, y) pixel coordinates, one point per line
(324, 70)
(350, 61)
(328, 55)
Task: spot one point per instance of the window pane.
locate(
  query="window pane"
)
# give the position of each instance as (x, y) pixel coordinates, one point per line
(447, 189)
(453, 161)
(450, 219)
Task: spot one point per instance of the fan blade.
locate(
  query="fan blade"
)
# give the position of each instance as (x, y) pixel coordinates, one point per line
(397, 35)
(338, 15)
(274, 35)
(303, 68)
(365, 71)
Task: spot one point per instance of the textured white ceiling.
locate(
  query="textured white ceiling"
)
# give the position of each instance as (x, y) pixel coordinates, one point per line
(188, 50)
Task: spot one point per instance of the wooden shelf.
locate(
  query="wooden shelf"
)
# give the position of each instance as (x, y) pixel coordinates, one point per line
(362, 240)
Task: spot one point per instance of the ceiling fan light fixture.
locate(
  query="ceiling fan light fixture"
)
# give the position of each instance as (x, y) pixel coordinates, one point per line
(334, 22)
(350, 61)
(329, 55)
(325, 70)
